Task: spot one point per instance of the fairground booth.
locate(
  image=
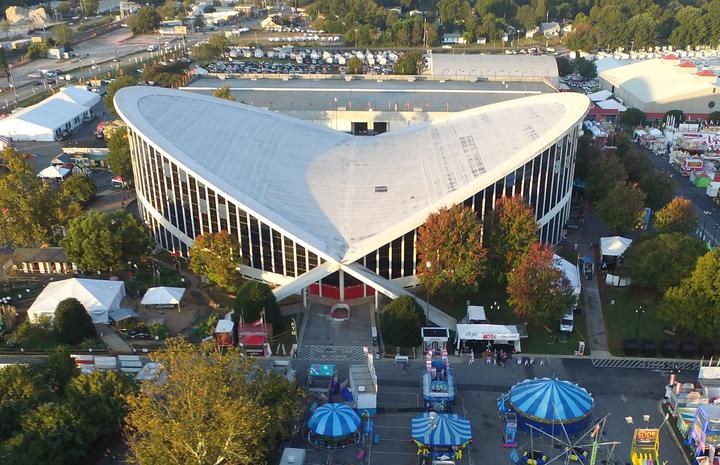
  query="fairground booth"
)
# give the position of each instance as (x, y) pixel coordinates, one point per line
(551, 405)
(480, 336)
(442, 436)
(334, 426)
(223, 333)
(322, 379)
(705, 434)
(434, 338)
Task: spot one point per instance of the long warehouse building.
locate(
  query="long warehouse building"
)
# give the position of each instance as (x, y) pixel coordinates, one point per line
(318, 209)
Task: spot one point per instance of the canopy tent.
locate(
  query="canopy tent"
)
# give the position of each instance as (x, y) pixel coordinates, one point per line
(600, 95)
(544, 402)
(98, 296)
(611, 104)
(334, 420)
(476, 313)
(163, 296)
(484, 332)
(119, 314)
(614, 246)
(571, 273)
(444, 429)
(54, 172)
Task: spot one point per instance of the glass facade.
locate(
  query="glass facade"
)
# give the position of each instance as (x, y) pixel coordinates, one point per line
(191, 208)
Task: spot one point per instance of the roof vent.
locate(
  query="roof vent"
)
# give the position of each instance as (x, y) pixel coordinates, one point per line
(379, 189)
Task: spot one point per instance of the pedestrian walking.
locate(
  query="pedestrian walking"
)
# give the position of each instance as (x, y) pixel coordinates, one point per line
(404, 365)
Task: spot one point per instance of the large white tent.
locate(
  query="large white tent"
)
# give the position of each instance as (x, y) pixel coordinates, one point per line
(571, 273)
(44, 121)
(98, 296)
(614, 246)
(163, 296)
(53, 172)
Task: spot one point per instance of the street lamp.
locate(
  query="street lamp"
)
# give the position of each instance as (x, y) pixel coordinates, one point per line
(428, 265)
(638, 312)
(336, 124)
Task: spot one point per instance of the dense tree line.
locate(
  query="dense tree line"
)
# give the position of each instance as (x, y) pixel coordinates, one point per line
(599, 24)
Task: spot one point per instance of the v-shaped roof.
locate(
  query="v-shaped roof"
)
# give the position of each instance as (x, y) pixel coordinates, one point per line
(344, 195)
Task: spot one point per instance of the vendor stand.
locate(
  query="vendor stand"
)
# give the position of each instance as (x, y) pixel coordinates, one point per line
(434, 338)
(441, 436)
(705, 432)
(322, 379)
(494, 335)
(363, 387)
(223, 333)
(334, 426)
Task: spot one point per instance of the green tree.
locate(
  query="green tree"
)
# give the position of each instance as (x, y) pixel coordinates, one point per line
(253, 298)
(20, 391)
(224, 93)
(89, 7)
(217, 256)
(168, 11)
(145, 21)
(537, 290)
(73, 322)
(36, 50)
(3, 60)
(451, 241)
(632, 117)
(694, 304)
(409, 63)
(585, 68)
(98, 241)
(664, 260)
(622, 207)
(659, 189)
(119, 160)
(113, 87)
(603, 173)
(28, 207)
(212, 409)
(401, 321)
(62, 35)
(453, 11)
(565, 66)
(677, 216)
(637, 166)
(354, 65)
(587, 152)
(714, 117)
(57, 370)
(99, 398)
(642, 30)
(513, 230)
(210, 50)
(79, 188)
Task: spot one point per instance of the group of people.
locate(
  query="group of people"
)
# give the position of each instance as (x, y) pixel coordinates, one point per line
(496, 357)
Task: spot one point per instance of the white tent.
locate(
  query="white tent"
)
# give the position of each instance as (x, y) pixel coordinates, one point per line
(611, 104)
(498, 333)
(53, 172)
(476, 313)
(614, 246)
(43, 121)
(98, 296)
(571, 273)
(600, 95)
(163, 296)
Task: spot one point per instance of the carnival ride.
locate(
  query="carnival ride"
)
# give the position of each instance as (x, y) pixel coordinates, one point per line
(442, 436)
(334, 426)
(438, 382)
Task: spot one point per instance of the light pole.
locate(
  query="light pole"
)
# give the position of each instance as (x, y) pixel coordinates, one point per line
(638, 312)
(336, 122)
(428, 266)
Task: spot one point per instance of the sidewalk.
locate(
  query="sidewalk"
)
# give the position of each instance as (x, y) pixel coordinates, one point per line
(112, 340)
(597, 334)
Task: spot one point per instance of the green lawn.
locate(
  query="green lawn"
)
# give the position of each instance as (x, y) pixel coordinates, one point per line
(540, 340)
(621, 319)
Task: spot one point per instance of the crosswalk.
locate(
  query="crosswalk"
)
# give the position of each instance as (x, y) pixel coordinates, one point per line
(319, 353)
(647, 364)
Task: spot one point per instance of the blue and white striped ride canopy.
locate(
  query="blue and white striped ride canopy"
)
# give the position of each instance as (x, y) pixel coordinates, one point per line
(550, 400)
(334, 420)
(447, 429)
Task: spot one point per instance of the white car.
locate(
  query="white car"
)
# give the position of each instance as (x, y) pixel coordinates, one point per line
(567, 322)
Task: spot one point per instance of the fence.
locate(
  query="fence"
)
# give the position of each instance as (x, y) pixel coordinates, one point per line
(646, 364)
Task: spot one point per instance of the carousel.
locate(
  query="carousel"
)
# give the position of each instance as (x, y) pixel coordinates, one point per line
(334, 426)
(442, 436)
(550, 405)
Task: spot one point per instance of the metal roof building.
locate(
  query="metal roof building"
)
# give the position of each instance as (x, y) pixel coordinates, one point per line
(662, 84)
(45, 120)
(309, 204)
(495, 67)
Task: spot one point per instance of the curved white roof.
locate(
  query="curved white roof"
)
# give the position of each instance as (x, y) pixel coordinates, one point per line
(345, 195)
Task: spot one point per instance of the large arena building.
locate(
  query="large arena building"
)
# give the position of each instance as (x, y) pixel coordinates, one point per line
(319, 209)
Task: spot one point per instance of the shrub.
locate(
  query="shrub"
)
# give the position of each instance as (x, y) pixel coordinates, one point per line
(401, 321)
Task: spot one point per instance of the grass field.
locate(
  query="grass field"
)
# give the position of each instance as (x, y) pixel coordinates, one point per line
(491, 295)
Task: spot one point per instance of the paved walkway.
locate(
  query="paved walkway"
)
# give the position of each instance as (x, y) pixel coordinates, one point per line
(112, 340)
(597, 334)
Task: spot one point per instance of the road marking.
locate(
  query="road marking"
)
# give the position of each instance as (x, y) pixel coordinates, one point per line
(393, 427)
(394, 453)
